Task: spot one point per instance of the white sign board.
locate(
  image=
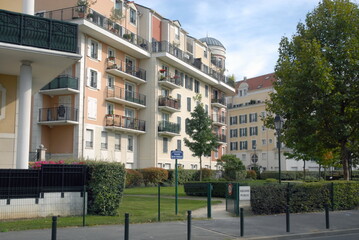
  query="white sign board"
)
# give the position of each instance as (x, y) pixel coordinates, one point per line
(244, 193)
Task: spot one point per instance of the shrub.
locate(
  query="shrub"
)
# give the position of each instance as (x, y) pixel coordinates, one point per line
(207, 174)
(234, 169)
(200, 188)
(184, 175)
(154, 175)
(251, 174)
(106, 181)
(133, 178)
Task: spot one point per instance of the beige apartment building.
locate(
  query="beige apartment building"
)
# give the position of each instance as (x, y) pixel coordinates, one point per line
(128, 98)
(28, 61)
(248, 138)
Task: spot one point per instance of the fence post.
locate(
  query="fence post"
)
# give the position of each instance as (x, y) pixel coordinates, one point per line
(326, 207)
(84, 206)
(209, 196)
(189, 216)
(287, 219)
(54, 226)
(332, 195)
(127, 223)
(241, 222)
(159, 202)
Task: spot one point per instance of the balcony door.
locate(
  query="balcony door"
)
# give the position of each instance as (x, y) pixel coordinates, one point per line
(63, 108)
(130, 92)
(130, 115)
(130, 65)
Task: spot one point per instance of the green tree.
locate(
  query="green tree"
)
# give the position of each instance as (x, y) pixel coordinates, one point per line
(234, 169)
(317, 92)
(199, 128)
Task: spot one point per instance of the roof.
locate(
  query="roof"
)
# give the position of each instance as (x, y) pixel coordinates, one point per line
(212, 42)
(260, 82)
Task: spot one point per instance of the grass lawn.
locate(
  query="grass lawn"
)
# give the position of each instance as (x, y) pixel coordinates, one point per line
(165, 191)
(141, 210)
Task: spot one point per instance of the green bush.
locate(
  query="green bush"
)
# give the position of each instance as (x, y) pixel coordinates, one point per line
(106, 181)
(251, 174)
(152, 176)
(133, 178)
(346, 195)
(200, 188)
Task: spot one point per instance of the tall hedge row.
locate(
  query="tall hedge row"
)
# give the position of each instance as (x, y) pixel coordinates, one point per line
(106, 181)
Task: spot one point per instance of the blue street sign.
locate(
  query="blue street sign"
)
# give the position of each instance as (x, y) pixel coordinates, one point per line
(176, 154)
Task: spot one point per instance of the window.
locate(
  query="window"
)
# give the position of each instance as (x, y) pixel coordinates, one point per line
(205, 53)
(264, 128)
(89, 138)
(206, 108)
(264, 141)
(165, 92)
(270, 141)
(254, 144)
(179, 122)
(103, 140)
(264, 156)
(165, 145)
(243, 145)
(94, 47)
(118, 4)
(110, 81)
(244, 157)
(93, 78)
(233, 146)
(91, 108)
(253, 131)
(177, 35)
(233, 120)
(179, 97)
(110, 108)
(243, 132)
(159, 165)
(196, 86)
(167, 166)
(111, 54)
(216, 154)
(179, 144)
(133, 16)
(117, 142)
(253, 117)
(263, 115)
(194, 166)
(206, 91)
(233, 133)
(254, 158)
(186, 122)
(130, 143)
(188, 82)
(243, 119)
(188, 104)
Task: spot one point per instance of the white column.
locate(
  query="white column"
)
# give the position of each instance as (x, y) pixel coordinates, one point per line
(28, 6)
(24, 116)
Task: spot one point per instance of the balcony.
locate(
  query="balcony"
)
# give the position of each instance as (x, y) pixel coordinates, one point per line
(221, 138)
(219, 120)
(168, 129)
(60, 115)
(101, 27)
(169, 104)
(128, 98)
(63, 84)
(125, 124)
(121, 69)
(218, 102)
(170, 82)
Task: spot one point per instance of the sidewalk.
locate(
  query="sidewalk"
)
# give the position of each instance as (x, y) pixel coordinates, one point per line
(219, 228)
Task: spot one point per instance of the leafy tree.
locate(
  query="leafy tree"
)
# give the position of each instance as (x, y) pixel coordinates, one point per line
(199, 129)
(233, 167)
(317, 91)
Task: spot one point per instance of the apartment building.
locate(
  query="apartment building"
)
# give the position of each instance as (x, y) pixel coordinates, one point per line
(248, 138)
(28, 61)
(128, 98)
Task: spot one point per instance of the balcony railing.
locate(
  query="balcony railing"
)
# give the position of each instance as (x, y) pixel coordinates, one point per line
(165, 126)
(165, 46)
(169, 102)
(27, 30)
(81, 12)
(221, 137)
(125, 122)
(127, 68)
(219, 100)
(60, 113)
(62, 81)
(217, 118)
(172, 79)
(120, 93)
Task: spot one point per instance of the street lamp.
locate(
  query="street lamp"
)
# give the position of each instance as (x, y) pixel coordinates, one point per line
(278, 123)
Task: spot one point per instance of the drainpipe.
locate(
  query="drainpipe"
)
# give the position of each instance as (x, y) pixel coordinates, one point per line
(28, 6)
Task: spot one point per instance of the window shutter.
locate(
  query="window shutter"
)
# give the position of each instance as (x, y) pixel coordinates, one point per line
(89, 47)
(99, 77)
(99, 52)
(88, 77)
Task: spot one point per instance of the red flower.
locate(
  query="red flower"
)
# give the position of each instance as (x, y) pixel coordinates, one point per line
(162, 70)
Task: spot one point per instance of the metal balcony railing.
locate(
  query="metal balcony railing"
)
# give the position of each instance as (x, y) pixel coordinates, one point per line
(27, 30)
(169, 102)
(127, 68)
(125, 122)
(219, 100)
(62, 81)
(82, 12)
(60, 113)
(172, 79)
(217, 118)
(165, 126)
(221, 137)
(120, 93)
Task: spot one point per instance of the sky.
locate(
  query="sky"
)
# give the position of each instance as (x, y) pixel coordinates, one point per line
(250, 30)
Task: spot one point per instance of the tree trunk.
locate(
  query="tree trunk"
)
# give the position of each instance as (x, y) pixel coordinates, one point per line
(200, 169)
(345, 155)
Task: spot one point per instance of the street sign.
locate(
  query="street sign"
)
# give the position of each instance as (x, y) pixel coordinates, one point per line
(176, 154)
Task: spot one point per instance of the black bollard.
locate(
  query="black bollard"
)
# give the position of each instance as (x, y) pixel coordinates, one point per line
(242, 222)
(326, 207)
(189, 217)
(127, 223)
(54, 226)
(287, 218)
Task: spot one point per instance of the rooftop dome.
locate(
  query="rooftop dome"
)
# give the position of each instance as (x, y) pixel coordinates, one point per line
(212, 42)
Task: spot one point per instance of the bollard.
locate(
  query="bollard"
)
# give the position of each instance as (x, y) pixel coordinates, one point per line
(54, 226)
(84, 206)
(189, 216)
(127, 223)
(287, 218)
(209, 196)
(159, 202)
(326, 207)
(242, 222)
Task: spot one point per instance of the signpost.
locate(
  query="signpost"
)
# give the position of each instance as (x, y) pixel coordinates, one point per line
(176, 154)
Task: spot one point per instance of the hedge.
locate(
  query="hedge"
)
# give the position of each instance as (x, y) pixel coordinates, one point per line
(134, 178)
(299, 175)
(219, 188)
(153, 175)
(106, 181)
